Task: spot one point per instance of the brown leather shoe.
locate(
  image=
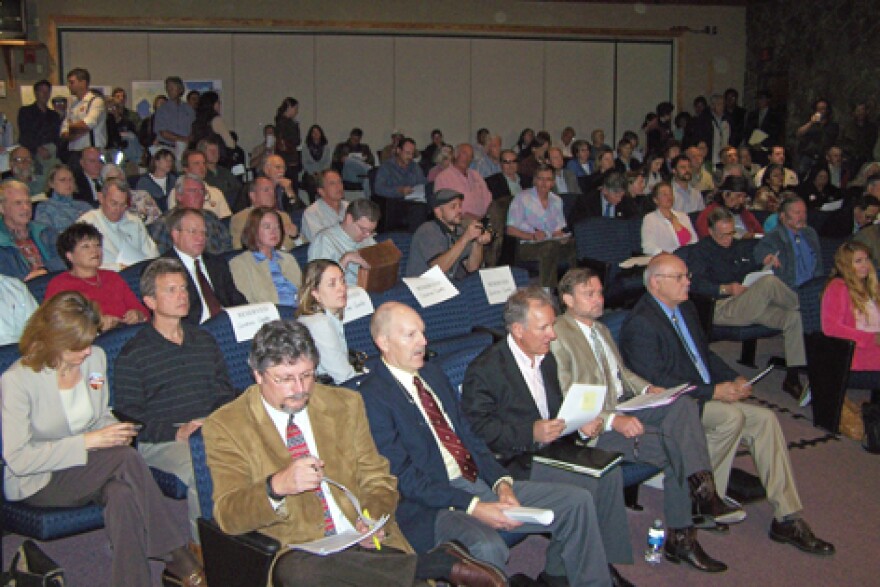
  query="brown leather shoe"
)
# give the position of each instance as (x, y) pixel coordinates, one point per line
(194, 579)
(682, 546)
(470, 572)
(798, 533)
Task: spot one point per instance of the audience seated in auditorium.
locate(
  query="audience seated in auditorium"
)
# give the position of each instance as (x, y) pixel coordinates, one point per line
(665, 229)
(322, 301)
(565, 181)
(609, 201)
(341, 243)
(22, 168)
(658, 132)
(651, 344)
(777, 157)
(580, 163)
(27, 248)
(489, 163)
(195, 163)
(566, 142)
(442, 160)
(80, 247)
(459, 177)
(160, 178)
(792, 248)
(523, 146)
(329, 209)
(400, 176)
(88, 176)
(18, 304)
(60, 210)
(264, 272)
(603, 165)
(851, 306)
(732, 196)
(353, 157)
(624, 161)
(217, 175)
(536, 219)
(537, 156)
(126, 240)
(701, 179)
(687, 197)
(446, 242)
(316, 153)
(209, 282)
(261, 194)
(147, 129)
(508, 182)
(838, 170)
(286, 196)
(189, 193)
(852, 217)
(430, 152)
(388, 151)
(169, 402)
(816, 190)
(140, 202)
(769, 121)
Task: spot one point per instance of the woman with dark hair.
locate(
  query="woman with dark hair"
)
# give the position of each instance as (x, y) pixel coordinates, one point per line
(209, 124)
(263, 272)
(287, 136)
(62, 446)
(817, 190)
(80, 248)
(323, 298)
(523, 145)
(653, 168)
(664, 230)
(580, 163)
(774, 178)
(160, 178)
(60, 210)
(316, 157)
(851, 308)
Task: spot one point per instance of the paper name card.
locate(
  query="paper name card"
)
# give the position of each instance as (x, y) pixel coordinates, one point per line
(498, 284)
(431, 288)
(358, 305)
(247, 320)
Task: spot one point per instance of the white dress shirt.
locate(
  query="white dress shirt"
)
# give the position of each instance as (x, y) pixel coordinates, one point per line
(190, 264)
(531, 372)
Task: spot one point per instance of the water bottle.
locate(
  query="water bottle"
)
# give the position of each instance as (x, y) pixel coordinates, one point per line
(656, 538)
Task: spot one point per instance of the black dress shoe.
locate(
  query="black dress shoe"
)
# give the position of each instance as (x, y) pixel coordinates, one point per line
(682, 546)
(798, 533)
(470, 572)
(618, 580)
(702, 486)
(793, 388)
(717, 510)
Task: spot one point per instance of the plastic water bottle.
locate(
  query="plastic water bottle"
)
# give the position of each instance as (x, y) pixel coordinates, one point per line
(656, 538)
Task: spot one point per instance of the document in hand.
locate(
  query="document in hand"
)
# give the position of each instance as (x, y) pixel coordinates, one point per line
(530, 515)
(581, 405)
(750, 279)
(654, 400)
(339, 542)
(587, 460)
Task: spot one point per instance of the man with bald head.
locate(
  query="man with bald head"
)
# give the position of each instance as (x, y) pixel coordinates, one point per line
(661, 341)
(490, 163)
(458, 177)
(451, 487)
(189, 193)
(261, 193)
(286, 197)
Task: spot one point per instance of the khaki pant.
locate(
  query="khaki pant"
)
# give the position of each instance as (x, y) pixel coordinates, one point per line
(549, 255)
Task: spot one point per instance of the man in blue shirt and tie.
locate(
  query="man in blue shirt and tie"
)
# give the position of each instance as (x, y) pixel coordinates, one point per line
(792, 248)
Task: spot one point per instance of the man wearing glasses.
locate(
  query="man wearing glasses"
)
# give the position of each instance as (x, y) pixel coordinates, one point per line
(720, 264)
(342, 242)
(21, 167)
(662, 342)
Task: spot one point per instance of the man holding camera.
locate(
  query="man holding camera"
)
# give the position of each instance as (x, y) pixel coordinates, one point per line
(445, 242)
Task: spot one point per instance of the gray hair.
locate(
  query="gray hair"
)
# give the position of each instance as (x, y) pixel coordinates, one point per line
(178, 185)
(516, 309)
(12, 184)
(161, 266)
(719, 214)
(112, 168)
(120, 184)
(615, 181)
(363, 208)
(281, 342)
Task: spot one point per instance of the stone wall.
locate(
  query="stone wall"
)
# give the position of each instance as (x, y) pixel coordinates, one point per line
(811, 49)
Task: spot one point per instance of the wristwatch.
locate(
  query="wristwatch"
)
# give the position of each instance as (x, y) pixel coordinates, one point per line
(722, 290)
(270, 492)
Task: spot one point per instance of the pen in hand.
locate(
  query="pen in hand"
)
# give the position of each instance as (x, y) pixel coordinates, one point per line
(376, 542)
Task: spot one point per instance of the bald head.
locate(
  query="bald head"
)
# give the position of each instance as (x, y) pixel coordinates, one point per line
(399, 333)
(464, 155)
(667, 279)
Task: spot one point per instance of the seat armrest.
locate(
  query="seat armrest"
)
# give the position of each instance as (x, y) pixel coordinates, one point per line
(495, 333)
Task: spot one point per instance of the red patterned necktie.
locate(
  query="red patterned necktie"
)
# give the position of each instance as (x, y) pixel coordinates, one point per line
(296, 446)
(450, 439)
(214, 305)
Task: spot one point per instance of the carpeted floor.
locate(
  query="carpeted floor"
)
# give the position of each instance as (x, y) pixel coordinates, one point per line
(837, 480)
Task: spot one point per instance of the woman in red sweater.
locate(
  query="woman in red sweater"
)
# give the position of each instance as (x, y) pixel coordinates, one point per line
(80, 247)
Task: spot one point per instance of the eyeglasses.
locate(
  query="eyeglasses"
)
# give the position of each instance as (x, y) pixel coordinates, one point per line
(22, 160)
(302, 378)
(677, 276)
(194, 231)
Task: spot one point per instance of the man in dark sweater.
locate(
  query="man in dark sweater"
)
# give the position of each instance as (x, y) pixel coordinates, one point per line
(719, 264)
(169, 377)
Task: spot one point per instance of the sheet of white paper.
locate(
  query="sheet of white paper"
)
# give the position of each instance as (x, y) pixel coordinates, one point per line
(582, 404)
(750, 279)
(338, 542)
(498, 284)
(530, 515)
(126, 257)
(431, 287)
(639, 261)
(654, 400)
(417, 195)
(247, 320)
(359, 304)
(757, 137)
(832, 206)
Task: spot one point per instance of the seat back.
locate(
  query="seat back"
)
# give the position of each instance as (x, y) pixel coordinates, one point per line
(112, 342)
(810, 298)
(204, 483)
(132, 276)
(828, 366)
(455, 364)
(38, 285)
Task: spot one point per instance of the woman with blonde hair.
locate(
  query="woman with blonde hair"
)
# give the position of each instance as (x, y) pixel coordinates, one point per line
(322, 301)
(63, 447)
(851, 308)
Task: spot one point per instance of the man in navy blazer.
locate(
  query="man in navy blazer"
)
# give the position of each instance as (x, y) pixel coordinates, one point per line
(661, 340)
(438, 499)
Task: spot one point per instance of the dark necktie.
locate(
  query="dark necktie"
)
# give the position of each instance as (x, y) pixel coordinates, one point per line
(447, 436)
(214, 305)
(296, 446)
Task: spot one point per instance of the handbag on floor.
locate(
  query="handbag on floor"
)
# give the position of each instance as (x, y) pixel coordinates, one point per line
(31, 567)
(851, 424)
(871, 420)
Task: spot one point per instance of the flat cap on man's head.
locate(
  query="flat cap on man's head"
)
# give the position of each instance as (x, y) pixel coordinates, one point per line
(445, 196)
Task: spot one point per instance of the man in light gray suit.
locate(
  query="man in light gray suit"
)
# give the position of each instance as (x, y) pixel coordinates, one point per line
(670, 437)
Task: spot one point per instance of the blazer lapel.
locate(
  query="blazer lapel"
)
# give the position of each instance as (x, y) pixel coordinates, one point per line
(516, 383)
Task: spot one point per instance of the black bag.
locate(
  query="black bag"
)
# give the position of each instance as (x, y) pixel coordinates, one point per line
(31, 567)
(871, 418)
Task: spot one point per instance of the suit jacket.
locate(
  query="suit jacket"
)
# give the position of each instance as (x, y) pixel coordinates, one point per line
(243, 448)
(772, 125)
(653, 350)
(500, 406)
(83, 191)
(221, 281)
(778, 241)
(576, 362)
(403, 436)
(593, 205)
(497, 184)
(254, 279)
(36, 435)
